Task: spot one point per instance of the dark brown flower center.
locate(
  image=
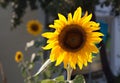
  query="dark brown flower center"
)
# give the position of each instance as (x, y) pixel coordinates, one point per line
(72, 38)
(34, 27)
(19, 56)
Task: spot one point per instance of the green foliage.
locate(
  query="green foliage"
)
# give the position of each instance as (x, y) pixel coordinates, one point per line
(79, 79)
(60, 79)
(27, 67)
(48, 81)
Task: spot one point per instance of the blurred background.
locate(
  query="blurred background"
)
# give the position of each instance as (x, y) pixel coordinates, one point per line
(14, 14)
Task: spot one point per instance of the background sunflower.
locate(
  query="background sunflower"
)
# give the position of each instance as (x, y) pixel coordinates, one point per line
(34, 27)
(18, 56)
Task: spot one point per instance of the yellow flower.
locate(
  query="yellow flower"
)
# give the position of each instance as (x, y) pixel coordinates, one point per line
(18, 56)
(34, 27)
(74, 39)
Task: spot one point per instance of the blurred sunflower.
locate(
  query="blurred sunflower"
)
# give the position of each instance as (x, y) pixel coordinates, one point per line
(74, 39)
(18, 56)
(34, 27)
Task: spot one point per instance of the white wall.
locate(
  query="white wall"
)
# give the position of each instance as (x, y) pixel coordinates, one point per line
(115, 59)
(12, 41)
(114, 26)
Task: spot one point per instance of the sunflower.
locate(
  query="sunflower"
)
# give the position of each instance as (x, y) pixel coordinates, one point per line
(18, 56)
(34, 27)
(74, 39)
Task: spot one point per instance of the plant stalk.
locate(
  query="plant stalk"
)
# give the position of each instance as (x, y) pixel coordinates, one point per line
(69, 72)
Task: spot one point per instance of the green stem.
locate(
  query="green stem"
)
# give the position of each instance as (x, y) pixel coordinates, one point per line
(69, 72)
(27, 71)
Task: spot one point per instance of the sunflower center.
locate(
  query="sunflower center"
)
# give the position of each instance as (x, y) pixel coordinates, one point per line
(34, 27)
(72, 38)
(19, 56)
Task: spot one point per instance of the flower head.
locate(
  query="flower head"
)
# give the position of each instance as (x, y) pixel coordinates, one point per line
(73, 40)
(18, 56)
(34, 27)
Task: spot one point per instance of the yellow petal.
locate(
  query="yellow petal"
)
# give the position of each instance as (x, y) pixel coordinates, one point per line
(91, 29)
(53, 26)
(54, 53)
(94, 40)
(73, 60)
(91, 26)
(60, 58)
(62, 18)
(66, 60)
(83, 56)
(80, 65)
(89, 57)
(86, 19)
(52, 39)
(69, 18)
(49, 34)
(50, 45)
(80, 62)
(58, 23)
(85, 63)
(94, 48)
(77, 14)
(95, 34)
(86, 13)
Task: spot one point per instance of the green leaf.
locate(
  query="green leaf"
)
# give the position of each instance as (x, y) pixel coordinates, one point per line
(60, 78)
(61, 82)
(48, 81)
(79, 79)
